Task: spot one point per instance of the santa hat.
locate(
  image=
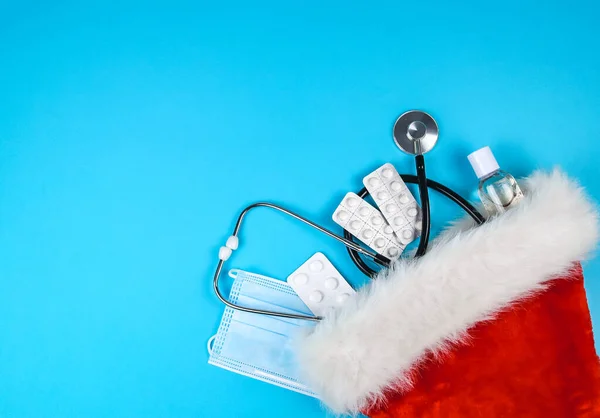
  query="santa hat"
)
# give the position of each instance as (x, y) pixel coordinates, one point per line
(492, 321)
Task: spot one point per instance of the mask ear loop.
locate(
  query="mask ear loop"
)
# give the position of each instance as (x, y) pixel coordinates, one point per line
(209, 345)
(233, 242)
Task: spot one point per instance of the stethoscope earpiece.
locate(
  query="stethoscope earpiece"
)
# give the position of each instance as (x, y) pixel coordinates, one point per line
(415, 132)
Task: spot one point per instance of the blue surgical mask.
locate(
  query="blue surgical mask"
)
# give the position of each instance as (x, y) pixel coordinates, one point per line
(260, 346)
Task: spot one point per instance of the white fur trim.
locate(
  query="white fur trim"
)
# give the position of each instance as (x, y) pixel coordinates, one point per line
(425, 305)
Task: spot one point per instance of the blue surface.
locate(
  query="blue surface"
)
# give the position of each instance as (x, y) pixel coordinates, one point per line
(132, 134)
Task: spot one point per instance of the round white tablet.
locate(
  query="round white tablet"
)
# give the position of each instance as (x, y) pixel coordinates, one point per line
(316, 296)
(364, 211)
(375, 182)
(300, 279)
(383, 195)
(331, 283)
(391, 208)
(342, 298)
(352, 202)
(343, 215)
(316, 266)
(399, 221)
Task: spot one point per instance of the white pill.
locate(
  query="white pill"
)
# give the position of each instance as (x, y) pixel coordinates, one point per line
(399, 221)
(404, 198)
(376, 220)
(352, 202)
(375, 182)
(383, 195)
(316, 296)
(387, 173)
(412, 212)
(395, 186)
(418, 226)
(368, 233)
(301, 279)
(407, 233)
(342, 298)
(355, 224)
(364, 211)
(331, 283)
(379, 242)
(391, 208)
(343, 215)
(388, 229)
(316, 266)
(393, 252)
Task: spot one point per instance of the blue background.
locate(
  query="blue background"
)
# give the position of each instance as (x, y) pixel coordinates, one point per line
(132, 134)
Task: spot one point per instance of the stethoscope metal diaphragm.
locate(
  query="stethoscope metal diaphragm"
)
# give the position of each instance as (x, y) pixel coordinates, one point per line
(415, 132)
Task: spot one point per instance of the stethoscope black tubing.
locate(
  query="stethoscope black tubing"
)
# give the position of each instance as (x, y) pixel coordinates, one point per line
(425, 210)
(424, 184)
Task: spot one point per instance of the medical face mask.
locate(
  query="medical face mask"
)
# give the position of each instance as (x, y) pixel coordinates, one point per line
(260, 346)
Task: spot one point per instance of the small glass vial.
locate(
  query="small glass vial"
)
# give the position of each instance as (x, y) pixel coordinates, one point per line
(498, 190)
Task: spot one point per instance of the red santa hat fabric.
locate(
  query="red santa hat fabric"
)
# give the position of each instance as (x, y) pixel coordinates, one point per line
(493, 318)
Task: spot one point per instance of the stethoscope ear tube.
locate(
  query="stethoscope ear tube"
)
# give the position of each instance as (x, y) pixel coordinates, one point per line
(353, 248)
(233, 241)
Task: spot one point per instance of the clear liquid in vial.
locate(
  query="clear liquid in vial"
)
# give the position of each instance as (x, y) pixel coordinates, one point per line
(499, 191)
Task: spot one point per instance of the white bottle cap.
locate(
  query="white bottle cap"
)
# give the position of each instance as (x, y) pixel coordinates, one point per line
(483, 162)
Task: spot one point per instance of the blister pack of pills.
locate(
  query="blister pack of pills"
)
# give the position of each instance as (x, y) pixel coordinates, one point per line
(320, 286)
(395, 201)
(367, 224)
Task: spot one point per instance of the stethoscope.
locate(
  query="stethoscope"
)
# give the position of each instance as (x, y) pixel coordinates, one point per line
(416, 133)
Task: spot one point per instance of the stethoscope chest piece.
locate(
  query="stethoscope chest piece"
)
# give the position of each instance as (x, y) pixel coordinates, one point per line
(415, 132)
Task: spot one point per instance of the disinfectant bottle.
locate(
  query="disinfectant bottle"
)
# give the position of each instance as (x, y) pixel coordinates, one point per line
(498, 190)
